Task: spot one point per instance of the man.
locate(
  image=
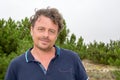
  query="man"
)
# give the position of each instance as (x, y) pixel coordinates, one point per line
(45, 61)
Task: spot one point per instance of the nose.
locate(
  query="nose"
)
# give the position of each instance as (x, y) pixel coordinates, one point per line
(46, 33)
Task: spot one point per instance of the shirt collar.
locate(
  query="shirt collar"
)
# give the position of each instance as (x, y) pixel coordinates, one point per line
(29, 57)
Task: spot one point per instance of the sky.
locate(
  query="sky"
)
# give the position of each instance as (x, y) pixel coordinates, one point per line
(97, 20)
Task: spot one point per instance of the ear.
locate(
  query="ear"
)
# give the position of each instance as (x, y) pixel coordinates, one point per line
(31, 30)
(57, 36)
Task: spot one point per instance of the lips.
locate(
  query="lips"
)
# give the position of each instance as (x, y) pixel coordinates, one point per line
(45, 40)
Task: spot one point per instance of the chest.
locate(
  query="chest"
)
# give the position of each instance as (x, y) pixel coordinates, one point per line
(55, 71)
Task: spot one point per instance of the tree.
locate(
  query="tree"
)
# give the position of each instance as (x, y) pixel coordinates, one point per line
(63, 35)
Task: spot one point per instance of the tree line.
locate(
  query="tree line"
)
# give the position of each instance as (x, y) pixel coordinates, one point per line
(15, 39)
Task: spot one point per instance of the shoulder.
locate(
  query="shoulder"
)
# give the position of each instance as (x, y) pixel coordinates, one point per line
(18, 60)
(69, 53)
(15, 64)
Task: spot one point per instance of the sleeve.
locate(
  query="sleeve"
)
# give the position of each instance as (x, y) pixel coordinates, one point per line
(80, 70)
(11, 73)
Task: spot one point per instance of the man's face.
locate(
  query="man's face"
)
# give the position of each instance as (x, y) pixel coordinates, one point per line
(44, 33)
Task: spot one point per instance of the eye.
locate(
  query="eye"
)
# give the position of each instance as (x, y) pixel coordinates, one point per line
(52, 31)
(40, 29)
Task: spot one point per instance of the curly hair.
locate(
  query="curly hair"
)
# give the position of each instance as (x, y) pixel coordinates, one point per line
(51, 13)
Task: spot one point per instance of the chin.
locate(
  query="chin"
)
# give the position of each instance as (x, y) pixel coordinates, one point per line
(45, 48)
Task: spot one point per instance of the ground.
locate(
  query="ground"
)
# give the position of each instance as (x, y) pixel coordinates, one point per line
(99, 71)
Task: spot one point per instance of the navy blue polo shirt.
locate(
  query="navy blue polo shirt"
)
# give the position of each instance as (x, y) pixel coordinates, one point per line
(66, 65)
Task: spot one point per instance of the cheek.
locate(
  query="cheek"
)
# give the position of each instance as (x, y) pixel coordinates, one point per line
(55, 38)
(34, 36)
(52, 38)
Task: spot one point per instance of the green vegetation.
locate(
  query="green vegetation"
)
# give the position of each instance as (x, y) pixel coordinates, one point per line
(117, 75)
(15, 39)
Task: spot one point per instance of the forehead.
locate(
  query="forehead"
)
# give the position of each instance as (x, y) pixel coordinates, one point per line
(45, 22)
(44, 19)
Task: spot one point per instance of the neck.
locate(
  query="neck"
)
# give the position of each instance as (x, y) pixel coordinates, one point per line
(44, 57)
(40, 54)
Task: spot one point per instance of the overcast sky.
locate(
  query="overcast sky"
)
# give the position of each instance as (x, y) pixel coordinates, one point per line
(92, 19)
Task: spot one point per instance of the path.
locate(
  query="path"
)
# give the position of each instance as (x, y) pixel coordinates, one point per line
(99, 71)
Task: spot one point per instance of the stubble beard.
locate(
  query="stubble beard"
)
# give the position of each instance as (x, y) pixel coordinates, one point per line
(48, 48)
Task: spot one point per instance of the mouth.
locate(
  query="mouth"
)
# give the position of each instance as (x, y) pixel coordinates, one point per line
(45, 41)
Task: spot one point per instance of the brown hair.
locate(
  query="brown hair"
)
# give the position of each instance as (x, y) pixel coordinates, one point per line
(51, 13)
